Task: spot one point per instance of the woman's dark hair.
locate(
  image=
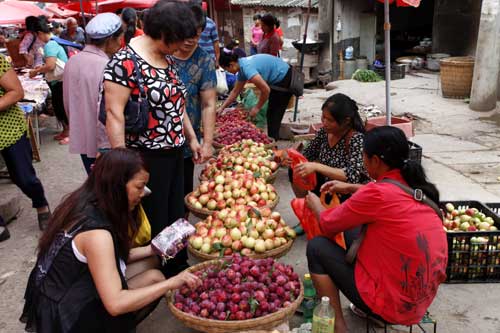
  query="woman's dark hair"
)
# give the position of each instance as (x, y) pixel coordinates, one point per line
(225, 58)
(257, 17)
(268, 20)
(232, 44)
(55, 25)
(170, 21)
(199, 16)
(129, 17)
(342, 107)
(31, 23)
(42, 25)
(105, 188)
(391, 146)
(277, 22)
(101, 41)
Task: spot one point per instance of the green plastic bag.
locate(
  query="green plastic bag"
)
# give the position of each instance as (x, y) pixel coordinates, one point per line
(249, 101)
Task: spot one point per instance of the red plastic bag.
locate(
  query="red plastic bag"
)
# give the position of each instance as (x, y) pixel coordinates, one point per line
(309, 222)
(307, 183)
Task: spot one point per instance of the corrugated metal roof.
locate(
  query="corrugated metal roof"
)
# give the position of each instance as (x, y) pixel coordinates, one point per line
(276, 3)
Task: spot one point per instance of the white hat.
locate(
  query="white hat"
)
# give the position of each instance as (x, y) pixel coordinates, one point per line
(103, 25)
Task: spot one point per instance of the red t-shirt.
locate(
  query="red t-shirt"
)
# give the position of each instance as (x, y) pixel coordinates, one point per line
(402, 259)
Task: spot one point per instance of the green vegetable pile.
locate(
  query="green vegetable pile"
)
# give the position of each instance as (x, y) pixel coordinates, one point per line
(366, 75)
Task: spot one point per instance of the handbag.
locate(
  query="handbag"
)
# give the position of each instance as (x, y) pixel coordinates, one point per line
(296, 83)
(136, 111)
(143, 235)
(57, 73)
(417, 194)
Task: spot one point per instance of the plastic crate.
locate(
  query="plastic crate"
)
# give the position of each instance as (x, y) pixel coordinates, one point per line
(494, 206)
(473, 260)
(415, 152)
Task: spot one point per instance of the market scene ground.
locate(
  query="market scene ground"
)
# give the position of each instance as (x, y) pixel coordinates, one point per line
(461, 152)
(302, 166)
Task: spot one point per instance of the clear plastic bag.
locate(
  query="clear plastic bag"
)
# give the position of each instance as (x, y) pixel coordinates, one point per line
(172, 239)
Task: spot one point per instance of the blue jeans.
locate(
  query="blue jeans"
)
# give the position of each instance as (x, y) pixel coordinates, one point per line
(19, 160)
(253, 50)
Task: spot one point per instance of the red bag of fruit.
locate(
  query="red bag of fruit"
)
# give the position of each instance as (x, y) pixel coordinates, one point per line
(308, 220)
(307, 183)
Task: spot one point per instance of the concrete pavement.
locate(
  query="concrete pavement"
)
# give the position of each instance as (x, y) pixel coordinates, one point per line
(461, 154)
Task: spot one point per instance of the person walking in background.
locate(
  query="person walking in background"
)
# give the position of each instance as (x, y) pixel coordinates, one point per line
(82, 95)
(15, 146)
(73, 32)
(257, 34)
(233, 48)
(31, 47)
(55, 59)
(129, 18)
(197, 71)
(166, 27)
(279, 31)
(270, 43)
(209, 40)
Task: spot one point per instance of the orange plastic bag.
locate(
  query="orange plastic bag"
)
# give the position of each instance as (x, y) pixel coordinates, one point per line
(307, 183)
(308, 220)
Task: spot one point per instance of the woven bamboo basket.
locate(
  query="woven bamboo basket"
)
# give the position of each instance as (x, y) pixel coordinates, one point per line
(204, 213)
(269, 180)
(218, 326)
(274, 253)
(271, 145)
(456, 76)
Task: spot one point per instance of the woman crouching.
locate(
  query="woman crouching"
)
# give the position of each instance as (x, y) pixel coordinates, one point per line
(82, 281)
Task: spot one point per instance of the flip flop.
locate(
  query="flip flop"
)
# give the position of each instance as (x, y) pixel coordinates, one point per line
(43, 220)
(64, 141)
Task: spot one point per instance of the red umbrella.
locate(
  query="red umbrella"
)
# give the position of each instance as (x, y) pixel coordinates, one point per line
(110, 5)
(15, 12)
(60, 12)
(404, 3)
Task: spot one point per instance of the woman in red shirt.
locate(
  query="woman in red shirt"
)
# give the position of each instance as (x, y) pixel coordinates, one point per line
(271, 42)
(129, 19)
(402, 258)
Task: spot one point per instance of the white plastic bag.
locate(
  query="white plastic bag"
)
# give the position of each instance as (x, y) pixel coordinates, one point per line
(221, 81)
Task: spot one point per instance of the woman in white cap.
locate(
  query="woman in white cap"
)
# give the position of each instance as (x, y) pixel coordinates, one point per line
(83, 76)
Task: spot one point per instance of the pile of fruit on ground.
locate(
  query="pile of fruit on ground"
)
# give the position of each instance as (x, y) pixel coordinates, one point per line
(232, 127)
(240, 288)
(245, 231)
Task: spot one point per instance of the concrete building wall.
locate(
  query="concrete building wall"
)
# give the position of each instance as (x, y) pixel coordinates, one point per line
(230, 25)
(292, 23)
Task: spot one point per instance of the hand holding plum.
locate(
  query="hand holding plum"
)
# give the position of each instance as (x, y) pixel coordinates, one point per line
(336, 186)
(185, 278)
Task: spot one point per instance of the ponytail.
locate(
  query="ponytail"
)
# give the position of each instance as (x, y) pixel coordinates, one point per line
(226, 57)
(341, 107)
(129, 16)
(391, 146)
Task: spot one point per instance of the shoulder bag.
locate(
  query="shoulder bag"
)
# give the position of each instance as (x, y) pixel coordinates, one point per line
(296, 83)
(417, 194)
(136, 111)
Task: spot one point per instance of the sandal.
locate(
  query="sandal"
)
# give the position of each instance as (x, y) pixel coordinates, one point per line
(59, 136)
(43, 220)
(64, 141)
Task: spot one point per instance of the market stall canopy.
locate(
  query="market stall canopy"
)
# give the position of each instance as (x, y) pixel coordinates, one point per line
(15, 12)
(404, 3)
(109, 5)
(60, 12)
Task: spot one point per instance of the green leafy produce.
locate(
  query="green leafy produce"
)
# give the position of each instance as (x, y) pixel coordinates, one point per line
(366, 75)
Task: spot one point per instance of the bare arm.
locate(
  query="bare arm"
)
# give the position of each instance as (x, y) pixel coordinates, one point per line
(97, 247)
(217, 53)
(139, 253)
(14, 91)
(264, 90)
(116, 97)
(238, 87)
(208, 98)
(191, 138)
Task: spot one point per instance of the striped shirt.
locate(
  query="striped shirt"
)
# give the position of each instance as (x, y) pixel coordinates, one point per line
(208, 37)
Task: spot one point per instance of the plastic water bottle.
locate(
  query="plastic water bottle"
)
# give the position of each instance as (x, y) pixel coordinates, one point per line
(323, 317)
(349, 53)
(309, 301)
